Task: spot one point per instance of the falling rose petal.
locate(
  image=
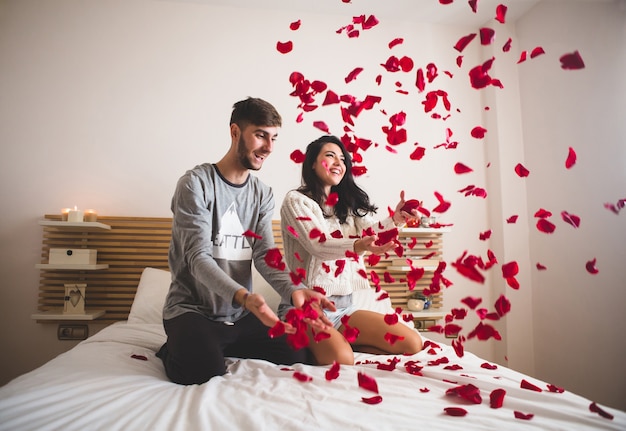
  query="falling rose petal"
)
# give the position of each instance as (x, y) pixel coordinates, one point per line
(391, 319)
(418, 153)
(396, 41)
(536, 52)
(521, 171)
(502, 305)
(302, 377)
(332, 199)
(484, 332)
(367, 382)
(251, 234)
(572, 61)
(386, 236)
(571, 158)
(593, 407)
(478, 132)
(540, 267)
(358, 170)
(487, 36)
(545, 226)
(457, 345)
(479, 76)
(297, 156)
(591, 266)
(352, 75)
(473, 4)
(460, 168)
(376, 399)
(512, 219)
(501, 13)
(139, 357)
(292, 231)
(274, 259)
(321, 125)
(331, 98)
(392, 338)
(525, 384)
(455, 411)
(507, 46)
(284, 47)
(510, 269)
(523, 416)
(471, 302)
(443, 205)
(333, 372)
(484, 236)
(464, 41)
(295, 25)
(572, 219)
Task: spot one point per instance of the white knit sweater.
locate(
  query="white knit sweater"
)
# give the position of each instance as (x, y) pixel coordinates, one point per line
(303, 215)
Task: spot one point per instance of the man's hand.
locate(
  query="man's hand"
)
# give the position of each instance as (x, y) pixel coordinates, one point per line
(319, 302)
(256, 304)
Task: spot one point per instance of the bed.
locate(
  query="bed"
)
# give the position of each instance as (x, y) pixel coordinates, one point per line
(113, 381)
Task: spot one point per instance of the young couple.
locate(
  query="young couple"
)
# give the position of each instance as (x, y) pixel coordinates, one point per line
(211, 310)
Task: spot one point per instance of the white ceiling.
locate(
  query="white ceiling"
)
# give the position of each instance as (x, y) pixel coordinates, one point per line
(458, 12)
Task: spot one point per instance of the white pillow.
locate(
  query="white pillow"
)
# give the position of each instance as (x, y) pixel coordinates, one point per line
(150, 297)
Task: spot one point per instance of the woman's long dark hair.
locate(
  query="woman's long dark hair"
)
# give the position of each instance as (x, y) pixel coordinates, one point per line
(352, 199)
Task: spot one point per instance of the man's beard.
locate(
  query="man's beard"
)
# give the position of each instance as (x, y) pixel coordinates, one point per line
(243, 157)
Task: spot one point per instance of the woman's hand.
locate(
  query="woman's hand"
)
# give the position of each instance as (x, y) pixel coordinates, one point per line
(368, 243)
(256, 304)
(319, 302)
(400, 217)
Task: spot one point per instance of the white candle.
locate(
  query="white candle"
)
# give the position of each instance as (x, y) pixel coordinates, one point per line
(91, 215)
(75, 215)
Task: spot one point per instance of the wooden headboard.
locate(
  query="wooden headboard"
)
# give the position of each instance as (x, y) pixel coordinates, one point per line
(134, 243)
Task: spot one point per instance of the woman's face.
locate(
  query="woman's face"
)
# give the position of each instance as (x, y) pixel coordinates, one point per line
(330, 166)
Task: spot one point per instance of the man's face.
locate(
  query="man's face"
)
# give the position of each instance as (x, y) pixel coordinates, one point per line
(255, 144)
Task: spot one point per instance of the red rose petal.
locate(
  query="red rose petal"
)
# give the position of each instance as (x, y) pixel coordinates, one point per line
(277, 330)
(376, 399)
(139, 357)
(525, 384)
(321, 125)
(540, 267)
(488, 366)
(545, 226)
(556, 389)
(455, 411)
(536, 52)
(274, 259)
(512, 219)
(302, 377)
(487, 36)
(591, 266)
(572, 61)
(502, 305)
(501, 13)
(510, 269)
(284, 47)
(460, 168)
(367, 382)
(352, 75)
(464, 41)
(386, 236)
(251, 234)
(295, 25)
(396, 41)
(478, 132)
(593, 407)
(496, 398)
(471, 302)
(571, 158)
(523, 416)
(572, 219)
(507, 46)
(332, 199)
(333, 372)
(521, 171)
(297, 156)
(443, 205)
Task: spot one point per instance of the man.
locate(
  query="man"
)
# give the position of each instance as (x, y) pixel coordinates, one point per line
(211, 311)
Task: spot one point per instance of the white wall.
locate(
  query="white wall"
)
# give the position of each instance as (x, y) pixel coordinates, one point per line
(105, 104)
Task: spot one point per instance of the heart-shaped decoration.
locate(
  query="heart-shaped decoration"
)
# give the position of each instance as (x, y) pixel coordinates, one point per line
(75, 297)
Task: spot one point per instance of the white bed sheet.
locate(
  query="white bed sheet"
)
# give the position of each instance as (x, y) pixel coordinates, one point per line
(98, 385)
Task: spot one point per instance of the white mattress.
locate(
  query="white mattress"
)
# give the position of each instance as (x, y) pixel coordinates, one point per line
(98, 385)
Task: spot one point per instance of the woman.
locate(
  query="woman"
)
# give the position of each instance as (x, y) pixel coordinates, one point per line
(322, 256)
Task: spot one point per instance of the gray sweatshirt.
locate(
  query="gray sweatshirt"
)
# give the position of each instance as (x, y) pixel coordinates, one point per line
(209, 257)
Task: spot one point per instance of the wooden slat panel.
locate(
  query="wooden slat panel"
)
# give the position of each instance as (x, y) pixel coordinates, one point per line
(134, 243)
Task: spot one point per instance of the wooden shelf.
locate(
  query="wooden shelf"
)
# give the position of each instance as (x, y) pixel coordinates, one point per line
(58, 314)
(85, 267)
(80, 226)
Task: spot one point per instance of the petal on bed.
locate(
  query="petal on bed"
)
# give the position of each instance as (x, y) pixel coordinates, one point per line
(376, 399)
(333, 372)
(593, 407)
(523, 416)
(455, 411)
(302, 377)
(525, 384)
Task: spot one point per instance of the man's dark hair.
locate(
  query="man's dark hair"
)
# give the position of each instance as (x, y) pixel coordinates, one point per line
(255, 111)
